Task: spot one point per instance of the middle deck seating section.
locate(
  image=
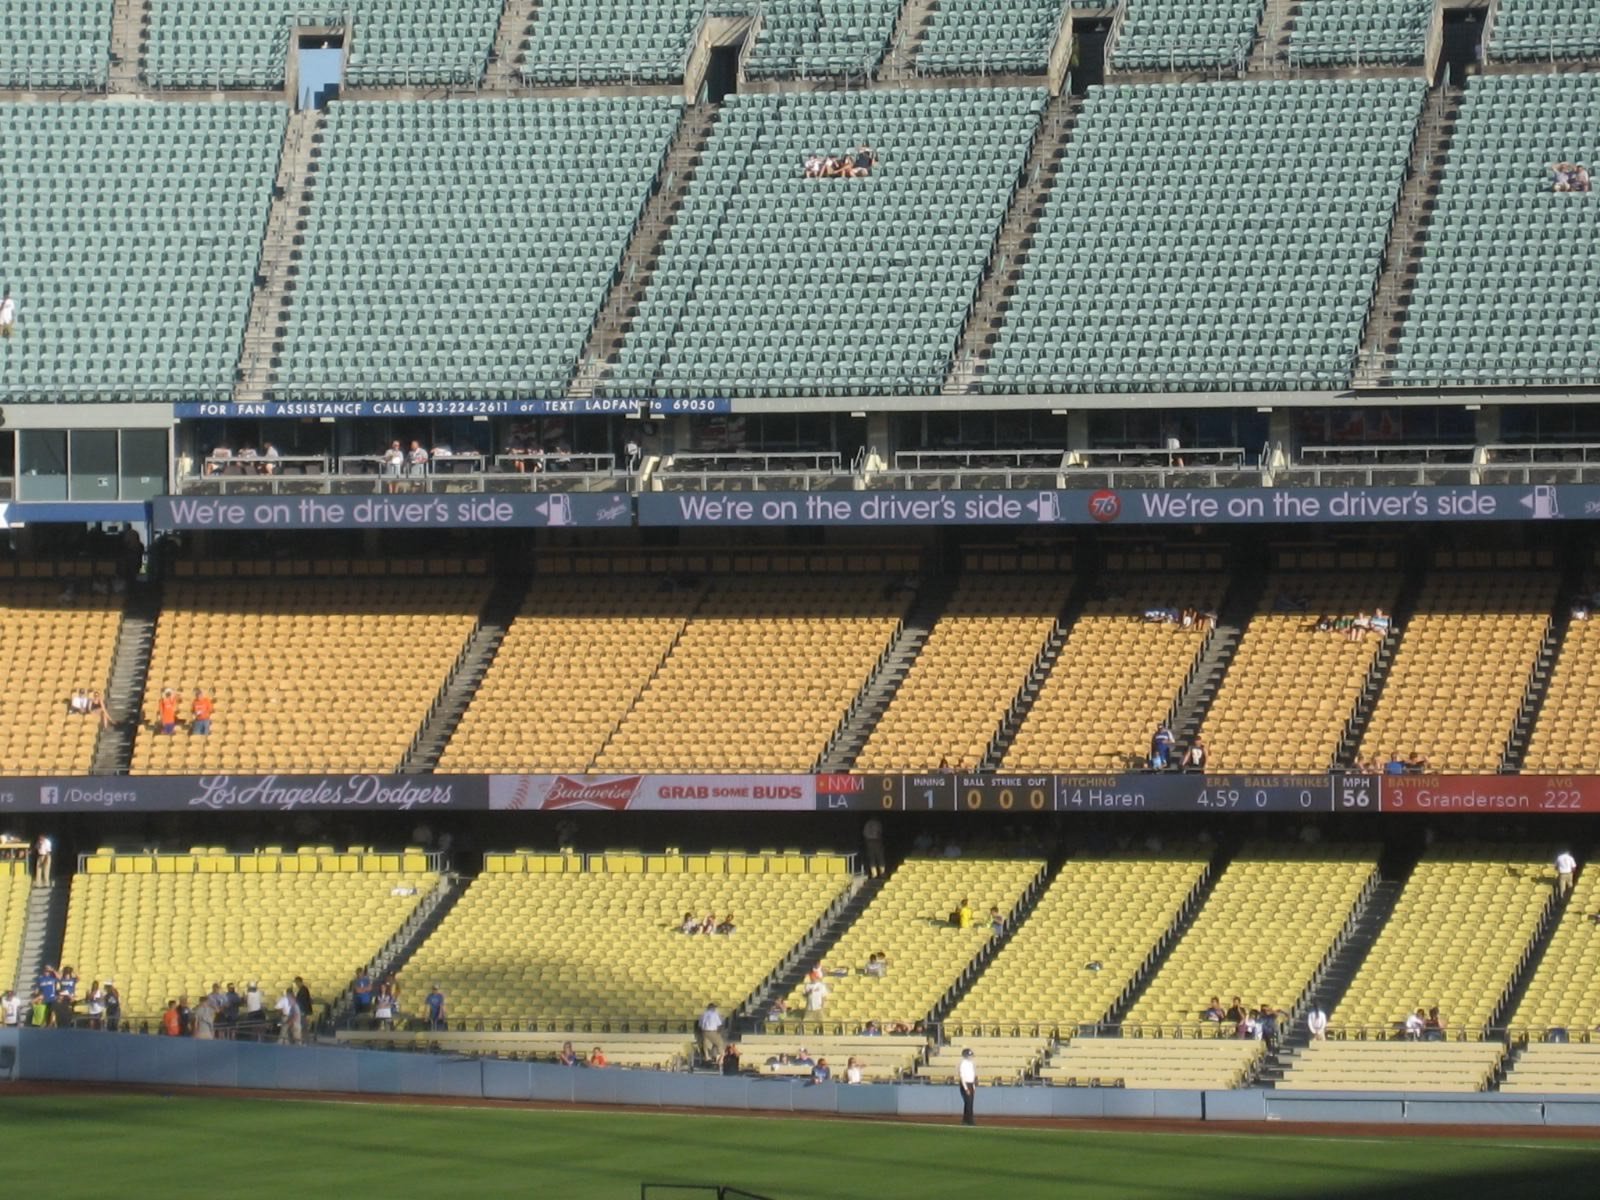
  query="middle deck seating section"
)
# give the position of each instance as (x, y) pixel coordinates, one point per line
(515, 212)
(1113, 910)
(246, 43)
(1463, 925)
(1237, 944)
(1545, 31)
(775, 284)
(1564, 992)
(309, 675)
(908, 921)
(609, 41)
(989, 36)
(1566, 736)
(131, 234)
(53, 644)
(56, 43)
(553, 936)
(1527, 314)
(1461, 670)
(1289, 691)
(951, 702)
(1359, 32)
(1170, 35)
(169, 925)
(760, 677)
(594, 651)
(1117, 676)
(809, 38)
(1184, 245)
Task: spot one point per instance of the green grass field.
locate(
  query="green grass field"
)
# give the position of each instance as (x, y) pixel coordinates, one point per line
(148, 1145)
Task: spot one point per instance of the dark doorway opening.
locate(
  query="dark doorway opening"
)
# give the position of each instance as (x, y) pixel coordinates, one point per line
(1463, 37)
(722, 72)
(1088, 55)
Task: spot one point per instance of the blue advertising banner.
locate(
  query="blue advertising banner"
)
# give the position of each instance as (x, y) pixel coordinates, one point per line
(1128, 506)
(459, 511)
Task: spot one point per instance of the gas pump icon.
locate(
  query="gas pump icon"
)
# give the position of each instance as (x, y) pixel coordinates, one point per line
(1545, 505)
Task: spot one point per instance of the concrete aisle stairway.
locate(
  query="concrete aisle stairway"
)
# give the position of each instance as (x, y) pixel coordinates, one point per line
(127, 46)
(811, 949)
(43, 928)
(516, 19)
(130, 666)
(910, 27)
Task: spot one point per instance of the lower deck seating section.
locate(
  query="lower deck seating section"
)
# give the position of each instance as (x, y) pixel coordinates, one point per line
(1359, 32)
(1564, 992)
(882, 1058)
(1545, 30)
(305, 675)
(16, 884)
(1463, 925)
(246, 43)
(809, 38)
(1237, 946)
(166, 926)
(1383, 1066)
(1526, 314)
(1117, 677)
(1461, 670)
(907, 921)
(989, 36)
(609, 41)
(1001, 1059)
(1290, 690)
(168, 223)
(773, 283)
(976, 659)
(595, 652)
(1113, 910)
(1571, 1068)
(760, 677)
(56, 43)
(1166, 35)
(53, 644)
(1155, 1063)
(461, 249)
(640, 1051)
(1566, 736)
(553, 936)
(1227, 265)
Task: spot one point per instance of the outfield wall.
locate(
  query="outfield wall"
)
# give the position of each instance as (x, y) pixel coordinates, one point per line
(85, 1057)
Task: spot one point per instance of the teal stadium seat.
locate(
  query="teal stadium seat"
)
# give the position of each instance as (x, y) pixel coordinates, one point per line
(841, 286)
(1168, 35)
(460, 249)
(1360, 32)
(55, 44)
(130, 235)
(1219, 236)
(1506, 292)
(245, 43)
(1546, 30)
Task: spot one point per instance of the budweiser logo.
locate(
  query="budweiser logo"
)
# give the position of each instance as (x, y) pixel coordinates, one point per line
(613, 794)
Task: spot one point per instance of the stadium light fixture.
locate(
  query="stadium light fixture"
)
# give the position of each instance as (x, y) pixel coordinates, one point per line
(1473, 407)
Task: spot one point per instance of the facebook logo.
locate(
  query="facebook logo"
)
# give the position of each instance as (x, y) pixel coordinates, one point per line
(49, 795)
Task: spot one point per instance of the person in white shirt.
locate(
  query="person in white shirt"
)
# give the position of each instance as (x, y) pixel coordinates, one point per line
(11, 1009)
(42, 851)
(711, 1039)
(252, 1000)
(8, 314)
(816, 992)
(1415, 1024)
(417, 460)
(1317, 1024)
(967, 1081)
(852, 1071)
(1565, 866)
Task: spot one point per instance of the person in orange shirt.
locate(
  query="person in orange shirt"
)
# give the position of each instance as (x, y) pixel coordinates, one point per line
(168, 712)
(171, 1022)
(597, 1059)
(202, 713)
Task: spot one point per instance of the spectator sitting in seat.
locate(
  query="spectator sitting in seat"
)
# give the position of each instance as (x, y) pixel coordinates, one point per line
(568, 1057)
(1235, 1012)
(997, 923)
(708, 923)
(1580, 179)
(852, 1070)
(79, 704)
(820, 1073)
(1417, 764)
(1434, 1022)
(1324, 624)
(1379, 622)
(803, 1058)
(1213, 1011)
(877, 965)
(217, 461)
(872, 1029)
(813, 164)
(1561, 173)
(1359, 628)
(863, 160)
(1194, 758)
(1414, 1025)
(963, 914)
(727, 925)
(778, 1011)
(8, 314)
(1396, 765)
(269, 459)
(689, 924)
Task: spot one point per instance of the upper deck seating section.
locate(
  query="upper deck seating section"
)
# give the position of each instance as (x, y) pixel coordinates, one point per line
(160, 207)
(1173, 35)
(169, 925)
(53, 646)
(976, 659)
(609, 41)
(989, 36)
(1564, 992)
(1566, 736)
(760, 677)
(1545, 31)
(515, 212)
(246, 43)
(1289, 690)
(775, 284)
(812, 38)
(547, 935)
(1526, 314)
(1227, 265)
(306, 675)
(1117, 676)
(1109, 909)
(595, 652)
(1462, 667)
(1461, 928)
(1359, 32)
(1236, 947)
(56, 44)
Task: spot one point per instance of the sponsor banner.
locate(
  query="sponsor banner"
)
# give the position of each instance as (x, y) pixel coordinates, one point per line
(249, 793)
(619, 793)
(1490, 794)
(452, 511)
(1125, 506)
(600, 405)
